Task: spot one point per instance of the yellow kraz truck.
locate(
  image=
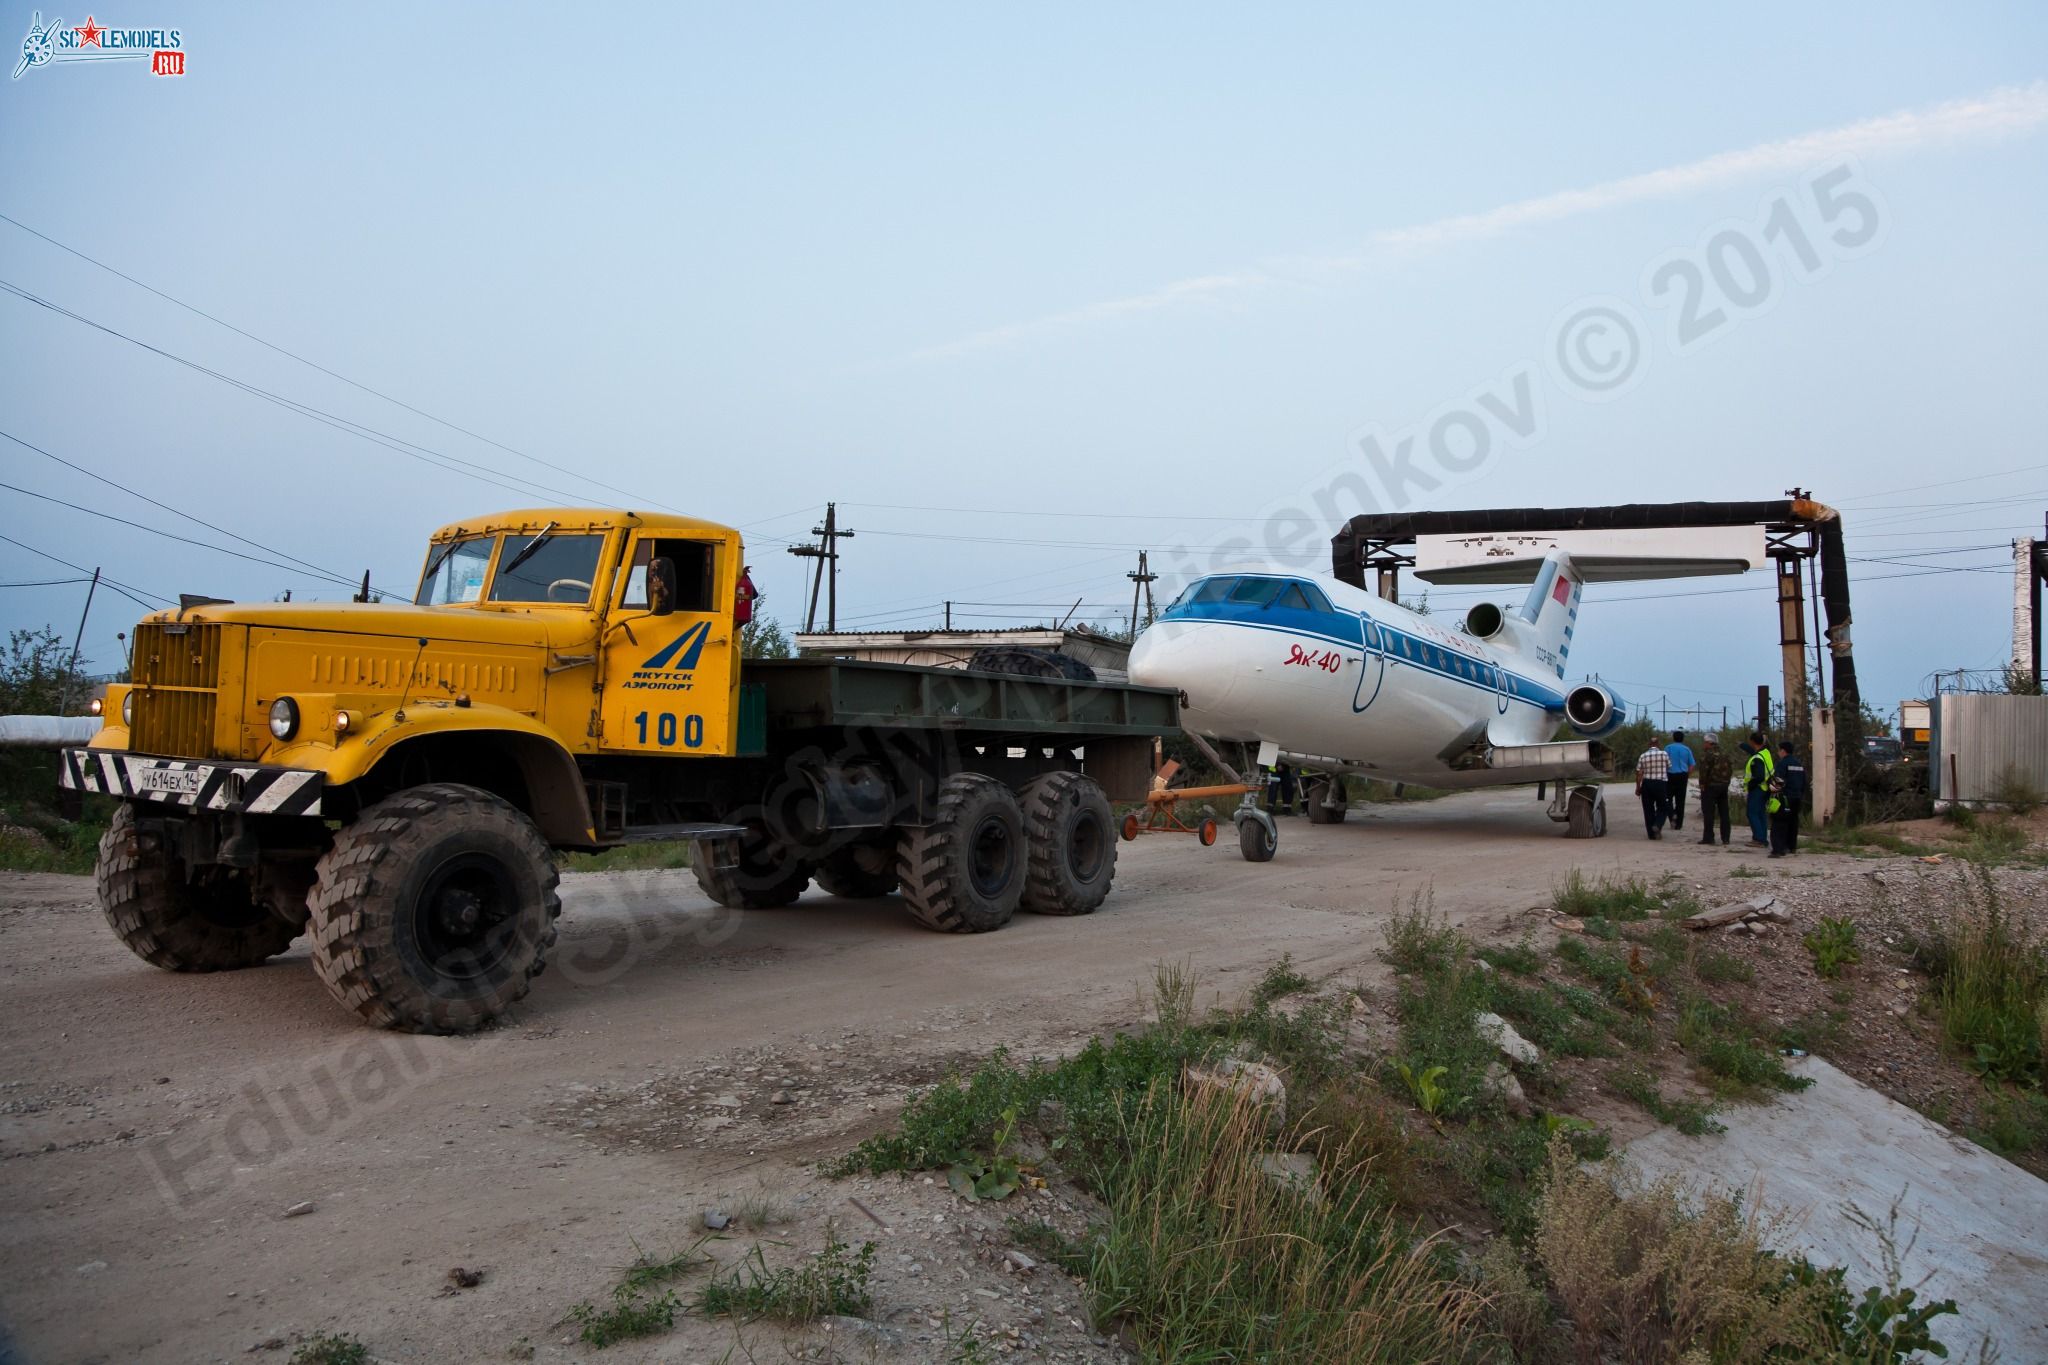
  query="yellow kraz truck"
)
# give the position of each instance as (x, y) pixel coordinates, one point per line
(393, 780)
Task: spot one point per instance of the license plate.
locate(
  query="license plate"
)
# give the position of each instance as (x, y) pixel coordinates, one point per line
(179, 781)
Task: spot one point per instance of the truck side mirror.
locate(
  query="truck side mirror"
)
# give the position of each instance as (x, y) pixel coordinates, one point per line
(661, 586)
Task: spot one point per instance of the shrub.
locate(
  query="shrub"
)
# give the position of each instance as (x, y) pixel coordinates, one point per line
(1993, 985)
(2017, 792)
(1833, 945)
(1417, 940)
(1719, 968)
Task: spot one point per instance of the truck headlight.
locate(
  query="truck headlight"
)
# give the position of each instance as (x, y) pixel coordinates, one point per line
(284, 718)
(128, 709)
(96, 706)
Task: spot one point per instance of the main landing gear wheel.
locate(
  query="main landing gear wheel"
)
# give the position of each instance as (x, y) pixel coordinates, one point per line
(434, 909)
(1319, 791)
(1070, 843)
(180, 925)
(964, 873)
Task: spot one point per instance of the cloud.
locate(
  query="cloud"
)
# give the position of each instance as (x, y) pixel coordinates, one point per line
(2016, 109)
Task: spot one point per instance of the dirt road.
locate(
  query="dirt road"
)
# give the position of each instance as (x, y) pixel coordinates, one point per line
(155, 1129)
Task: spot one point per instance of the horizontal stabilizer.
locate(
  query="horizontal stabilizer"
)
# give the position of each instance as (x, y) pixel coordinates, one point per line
(1601, 556)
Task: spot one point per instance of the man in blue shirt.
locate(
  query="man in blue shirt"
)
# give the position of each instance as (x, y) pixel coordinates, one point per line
(1681, 764)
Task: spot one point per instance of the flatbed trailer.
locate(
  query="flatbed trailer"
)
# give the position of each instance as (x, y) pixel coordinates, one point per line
(394, 782)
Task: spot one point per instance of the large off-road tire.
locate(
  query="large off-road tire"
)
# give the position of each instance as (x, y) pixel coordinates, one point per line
(434, 909)
(858, 872)
(211, 925)
(1316, 793)
(750, 871)
(1070, 841)
(964, 873)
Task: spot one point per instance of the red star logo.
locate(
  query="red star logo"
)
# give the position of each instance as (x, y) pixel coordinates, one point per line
(88, 36)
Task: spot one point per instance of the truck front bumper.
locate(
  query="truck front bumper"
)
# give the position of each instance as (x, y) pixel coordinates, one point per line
(193, 784)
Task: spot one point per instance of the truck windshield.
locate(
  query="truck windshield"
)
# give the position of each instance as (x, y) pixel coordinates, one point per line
(455, 573)
(559, 569)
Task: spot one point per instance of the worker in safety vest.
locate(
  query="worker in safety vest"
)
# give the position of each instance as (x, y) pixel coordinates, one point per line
(1757, 773)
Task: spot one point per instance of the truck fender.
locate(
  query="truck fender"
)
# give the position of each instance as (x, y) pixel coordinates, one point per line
(554, 785)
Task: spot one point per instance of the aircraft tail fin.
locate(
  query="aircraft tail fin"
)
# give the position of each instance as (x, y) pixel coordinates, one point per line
(1551, 611)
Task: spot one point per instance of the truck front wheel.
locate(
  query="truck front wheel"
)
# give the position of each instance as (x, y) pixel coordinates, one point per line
(964, 873)
(1071, 839)
(434, 910)
(214, 924)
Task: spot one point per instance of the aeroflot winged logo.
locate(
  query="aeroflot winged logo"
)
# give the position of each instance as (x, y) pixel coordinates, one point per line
(91, 41)
(668, 668)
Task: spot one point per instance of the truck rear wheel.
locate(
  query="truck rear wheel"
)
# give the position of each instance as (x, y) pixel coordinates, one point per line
(434, 910)
(749, 872)
(858, 872)
(212, 925)
(1070, 841)
(964, 873)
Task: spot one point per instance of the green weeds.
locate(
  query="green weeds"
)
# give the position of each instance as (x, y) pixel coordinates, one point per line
(835, 1282)
(1833, 945)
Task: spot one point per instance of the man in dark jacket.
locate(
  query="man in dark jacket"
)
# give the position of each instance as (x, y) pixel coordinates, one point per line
(1715, 772)
(1791, 799)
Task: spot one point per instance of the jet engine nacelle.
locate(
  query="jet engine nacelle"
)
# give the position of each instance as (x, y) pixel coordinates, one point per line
(1594, 711)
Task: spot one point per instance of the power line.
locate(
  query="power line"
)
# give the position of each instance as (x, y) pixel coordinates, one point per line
(315, 365)
(47, 583)
(127, 590)
(257, 544)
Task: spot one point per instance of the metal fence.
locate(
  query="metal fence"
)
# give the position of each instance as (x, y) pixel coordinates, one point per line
(1988, 747)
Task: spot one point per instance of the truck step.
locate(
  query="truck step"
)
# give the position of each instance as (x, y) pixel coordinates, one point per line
(690, 829)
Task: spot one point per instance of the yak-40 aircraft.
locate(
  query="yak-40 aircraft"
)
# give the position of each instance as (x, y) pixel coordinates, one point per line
(1333, 680)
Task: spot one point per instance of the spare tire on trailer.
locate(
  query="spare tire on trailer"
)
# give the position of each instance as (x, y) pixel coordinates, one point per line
(750, 871)
(964, 873)
(1026, 662)
(858, 871)
(434, 909)
(1070, 837)
(173, 922)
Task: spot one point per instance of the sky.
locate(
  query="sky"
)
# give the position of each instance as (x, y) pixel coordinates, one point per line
(1026, 291)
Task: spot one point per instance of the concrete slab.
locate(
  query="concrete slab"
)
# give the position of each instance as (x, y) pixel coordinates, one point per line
(1977, 1225)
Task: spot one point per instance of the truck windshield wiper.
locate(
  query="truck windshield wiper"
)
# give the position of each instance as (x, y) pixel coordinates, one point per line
(440, 558)
(531, 545)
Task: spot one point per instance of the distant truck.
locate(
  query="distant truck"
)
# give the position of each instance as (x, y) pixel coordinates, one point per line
(1916, 731)
(394, 781)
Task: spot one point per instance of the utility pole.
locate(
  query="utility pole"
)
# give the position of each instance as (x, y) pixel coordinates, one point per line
(949, 616)
(71, 669)
(1141, 583)
(827, 573)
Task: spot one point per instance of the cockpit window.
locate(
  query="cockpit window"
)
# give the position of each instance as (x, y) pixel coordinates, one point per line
(1294, 597)
(1257, 591)
(1211, 590)
(1316, 600)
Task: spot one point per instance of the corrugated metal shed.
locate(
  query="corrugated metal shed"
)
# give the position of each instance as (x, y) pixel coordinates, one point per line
(1981, 737)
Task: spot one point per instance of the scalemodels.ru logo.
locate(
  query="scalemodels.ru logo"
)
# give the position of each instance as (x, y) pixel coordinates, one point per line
(162, 48)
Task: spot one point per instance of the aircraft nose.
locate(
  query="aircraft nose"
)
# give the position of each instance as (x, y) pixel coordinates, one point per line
(1172, 654)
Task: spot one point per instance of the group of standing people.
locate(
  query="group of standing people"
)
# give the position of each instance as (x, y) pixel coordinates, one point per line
(1774, 789)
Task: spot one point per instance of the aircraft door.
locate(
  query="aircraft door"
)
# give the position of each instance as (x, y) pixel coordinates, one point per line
(1372, 667)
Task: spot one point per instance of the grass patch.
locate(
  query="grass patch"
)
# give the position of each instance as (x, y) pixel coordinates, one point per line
(1719, 968)
(1048, 1243)
(1688, 1116)
(657, 854)
(640, 1304)
(2013, 1123)
(1991, 975)
(1543, 1016)
(1864, 841)
(1418, 940)
(1615, 896)
(1719, 1041)
(55, 846)
(1746, 871)
(835, 1282)
(1522, 959)
(331, 1348)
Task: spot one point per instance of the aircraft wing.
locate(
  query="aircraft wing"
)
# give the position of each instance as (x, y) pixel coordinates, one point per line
(1601, 556)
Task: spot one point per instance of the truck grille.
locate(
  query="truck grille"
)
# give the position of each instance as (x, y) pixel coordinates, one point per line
(177, 677)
